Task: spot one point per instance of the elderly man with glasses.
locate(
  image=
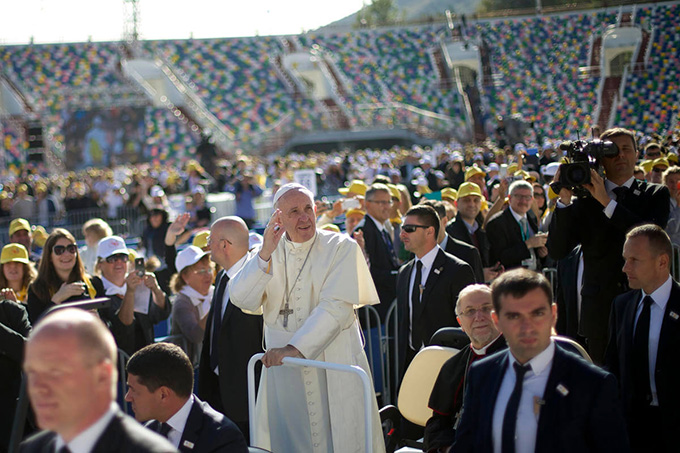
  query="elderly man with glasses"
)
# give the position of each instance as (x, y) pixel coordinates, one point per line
(473, 311)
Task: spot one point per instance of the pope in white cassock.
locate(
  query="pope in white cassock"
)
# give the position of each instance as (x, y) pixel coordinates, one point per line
(308, 283)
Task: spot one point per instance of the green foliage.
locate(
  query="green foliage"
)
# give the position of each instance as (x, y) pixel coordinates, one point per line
(379, 13)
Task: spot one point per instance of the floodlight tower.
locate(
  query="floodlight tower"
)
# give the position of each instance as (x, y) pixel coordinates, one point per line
(131, 25)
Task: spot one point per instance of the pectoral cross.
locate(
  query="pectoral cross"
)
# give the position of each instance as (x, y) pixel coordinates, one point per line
(285, 312)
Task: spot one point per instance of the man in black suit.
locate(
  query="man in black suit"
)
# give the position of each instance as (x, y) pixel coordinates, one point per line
(228, 344)
(70, 365)
(160, 382)
(513, 233)
(645, 339)
(428, 285)
(379, 245)
(599, 223)
(467, 226)
(473, 309)
(456, 247)
(537, 396)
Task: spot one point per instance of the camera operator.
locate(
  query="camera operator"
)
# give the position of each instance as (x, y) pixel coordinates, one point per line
(599, 223)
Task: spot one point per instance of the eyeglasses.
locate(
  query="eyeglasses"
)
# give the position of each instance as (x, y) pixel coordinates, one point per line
(202, 271)
(381, 202)
(210, 240)
(539, 195)
(522, 197)
(472, 312)
(412, 228)
(119, 257)
(60, 249)
(658, 170)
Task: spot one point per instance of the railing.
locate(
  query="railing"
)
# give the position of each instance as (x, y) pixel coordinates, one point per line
(294, 362)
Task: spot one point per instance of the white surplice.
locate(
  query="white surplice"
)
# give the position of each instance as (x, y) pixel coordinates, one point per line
(305, 409)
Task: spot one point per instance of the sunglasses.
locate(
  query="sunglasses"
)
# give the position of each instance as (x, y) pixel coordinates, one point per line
(412, 228)
(60, 249)
(119, 257)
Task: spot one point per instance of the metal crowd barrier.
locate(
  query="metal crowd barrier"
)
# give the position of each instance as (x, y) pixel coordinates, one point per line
(369, 314)
(21, 411)
(294, 362)
(392, 333)
(551, 274)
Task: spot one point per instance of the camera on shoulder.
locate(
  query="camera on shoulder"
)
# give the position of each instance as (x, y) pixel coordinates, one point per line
(582, 156)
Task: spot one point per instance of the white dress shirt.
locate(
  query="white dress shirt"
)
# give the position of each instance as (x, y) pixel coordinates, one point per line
(656, 314)
(428, 261)
(86, 440)
(533, 390)
(178, 422)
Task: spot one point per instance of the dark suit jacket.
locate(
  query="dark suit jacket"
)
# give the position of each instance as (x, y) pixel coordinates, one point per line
(456, 228)
(584, 222)
(383, 267)
(208, 431)
(467, 253)
(14, 328)
(437, 306)
(587, 419)
(446, 398)
(505, 237)
(123, 434)
(566, 293)
(240, 339)
(667, 372)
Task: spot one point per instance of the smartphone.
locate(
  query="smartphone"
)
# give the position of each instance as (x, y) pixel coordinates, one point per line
(350, 203)
(139, 267)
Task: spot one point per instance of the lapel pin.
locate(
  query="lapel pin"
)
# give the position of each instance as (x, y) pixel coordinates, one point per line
(188, 444)
(437, 271)
(674, 315)
(636, 192)
(562, 389)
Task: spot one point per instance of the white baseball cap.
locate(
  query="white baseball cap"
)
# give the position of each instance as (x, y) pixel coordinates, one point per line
(188, 257)
(112, 245)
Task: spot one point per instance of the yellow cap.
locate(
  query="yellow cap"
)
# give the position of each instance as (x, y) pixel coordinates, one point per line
(660, 162)
(394, 191)
(14, 253)
(357, 187)
(551, 193)
(331, 227)
(473, 171)
(448, 192)
(201, 239)
(132, 254)
(18, 225)
(524, 175)
(39, 235)
(647, 165)
(353, 211)
(469, 188)
(672, 158)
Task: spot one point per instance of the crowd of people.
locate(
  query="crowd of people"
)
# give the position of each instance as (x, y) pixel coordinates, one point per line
(451, 236)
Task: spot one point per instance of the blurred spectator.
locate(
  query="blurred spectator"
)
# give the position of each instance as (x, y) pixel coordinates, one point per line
(23, 205)
(94, 231)
(246, 190)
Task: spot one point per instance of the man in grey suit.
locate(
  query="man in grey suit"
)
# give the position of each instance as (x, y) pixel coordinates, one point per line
(70, 364)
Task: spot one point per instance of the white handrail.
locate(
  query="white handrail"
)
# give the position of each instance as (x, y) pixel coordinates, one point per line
(291, 362)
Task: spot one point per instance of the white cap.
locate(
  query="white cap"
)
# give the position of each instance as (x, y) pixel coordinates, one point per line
(254, 240)
(198, 189)
(156, 191)
(550, 169)
(189, 256)
(284, 189)
(112, 245)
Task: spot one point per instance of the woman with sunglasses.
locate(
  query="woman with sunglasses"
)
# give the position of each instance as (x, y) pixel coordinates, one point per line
(137, 301)
(61, 276)
(193, 287)
(16, 273)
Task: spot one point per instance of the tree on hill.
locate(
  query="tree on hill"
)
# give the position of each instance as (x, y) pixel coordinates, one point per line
(500, 5)
(378, 14)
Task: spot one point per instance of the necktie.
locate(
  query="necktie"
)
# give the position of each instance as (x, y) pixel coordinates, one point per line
(390, 246)
(416, 341)
(510, 418)
(64, 449)
(164, 429)
(217, 321)
(640, 355)
(526, 231)
(620, 192)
